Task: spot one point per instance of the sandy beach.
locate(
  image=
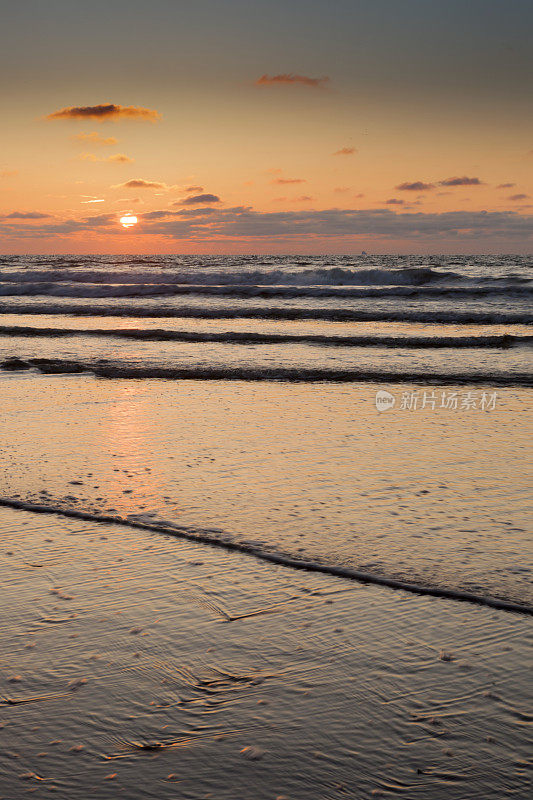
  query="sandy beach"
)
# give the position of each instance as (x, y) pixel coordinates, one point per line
(137, 664)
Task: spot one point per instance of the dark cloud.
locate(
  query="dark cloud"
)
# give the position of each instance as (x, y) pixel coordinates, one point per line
(288, 79)
(141, 183)
(505, 185)
(246, 224)
(518, 197)
(284, 181)
(63, 228)
(345, 151)
(416, 186)
(105, 111)
(197, 199)
(194, 189)
(393, 201)
(26, 215)
(464, 181)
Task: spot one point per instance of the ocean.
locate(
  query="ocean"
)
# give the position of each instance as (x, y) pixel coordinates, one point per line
(265, 526)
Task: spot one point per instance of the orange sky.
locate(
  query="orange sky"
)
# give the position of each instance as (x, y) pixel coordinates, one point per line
(242, 133)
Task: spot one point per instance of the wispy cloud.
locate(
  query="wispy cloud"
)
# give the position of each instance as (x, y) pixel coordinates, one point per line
(195, 189)
(393, 201)
(290, 79)
(519, 197)
(141, 183)
(284, 181)
(505, 185)
(96, 139)
(118, 158)
(345, 151)
(464, 181)
(94, 200)
(105, 111)
(415, 186)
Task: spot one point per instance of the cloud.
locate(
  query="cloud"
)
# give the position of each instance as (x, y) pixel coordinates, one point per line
(505, 185)
(105, 111)
(393, 201)
(304, 198)
(95, 138)
(345, 151)
(293, 227)
(25, 215)
(416, 186)
(194, 189)
(518, 197)
(8, 173)
(118, 158)
(94, 200)
(141, 183)
(284, 181)
(288, 79)
(246, 223)
(464, 181)
(198, 199)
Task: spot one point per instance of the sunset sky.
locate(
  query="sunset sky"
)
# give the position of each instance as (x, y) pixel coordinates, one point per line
(244, 126)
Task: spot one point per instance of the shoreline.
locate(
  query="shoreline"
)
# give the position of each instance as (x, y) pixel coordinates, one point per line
(283, 560)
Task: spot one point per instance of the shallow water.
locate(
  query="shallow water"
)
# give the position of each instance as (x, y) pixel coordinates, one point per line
(435, 496)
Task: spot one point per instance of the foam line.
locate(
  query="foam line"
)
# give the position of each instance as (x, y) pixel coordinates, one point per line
(203, 536)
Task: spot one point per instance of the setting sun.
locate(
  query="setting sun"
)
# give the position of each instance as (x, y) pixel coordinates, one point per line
(128, 221)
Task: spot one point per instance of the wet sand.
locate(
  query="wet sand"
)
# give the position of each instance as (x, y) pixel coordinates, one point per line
(136, 664)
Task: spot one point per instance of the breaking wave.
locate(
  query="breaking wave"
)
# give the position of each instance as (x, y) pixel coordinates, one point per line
(252, 338)
(121, 369)
(327, 276)
(487, 317)
(159, 289)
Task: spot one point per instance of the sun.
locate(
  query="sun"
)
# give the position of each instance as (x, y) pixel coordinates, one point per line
(128, 221)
